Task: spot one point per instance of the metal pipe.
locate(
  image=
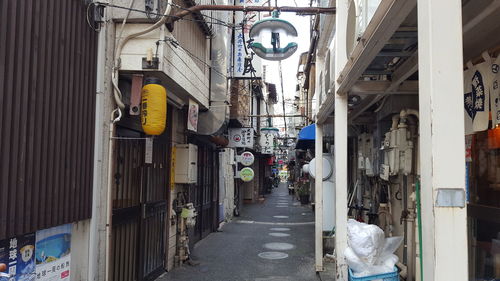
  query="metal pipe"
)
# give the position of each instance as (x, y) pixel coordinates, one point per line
(276, 115)
(405, 221)
(299, 10)
(109, 195)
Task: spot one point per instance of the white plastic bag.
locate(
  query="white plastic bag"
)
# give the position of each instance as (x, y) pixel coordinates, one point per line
(369, 253)
(354, 262)
(366, 240)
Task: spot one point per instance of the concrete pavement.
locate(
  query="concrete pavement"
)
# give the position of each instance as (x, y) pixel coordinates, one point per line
(270, 241)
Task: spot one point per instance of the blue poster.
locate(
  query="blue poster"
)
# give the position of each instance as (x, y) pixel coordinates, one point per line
(18, 253)
(53, 253)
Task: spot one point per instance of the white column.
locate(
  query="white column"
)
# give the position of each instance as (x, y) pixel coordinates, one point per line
(318, 198)
(442, 139)
(341, 184)
(340, 135)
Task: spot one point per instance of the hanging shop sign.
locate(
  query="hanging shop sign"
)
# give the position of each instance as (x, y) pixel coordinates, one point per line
(247, 158)
(277, 30)
(266, 142)
(18, 254)
(241, 66)
(241, 137)
(495, 91)
(247, 174)
(192, 122)
(53, 253)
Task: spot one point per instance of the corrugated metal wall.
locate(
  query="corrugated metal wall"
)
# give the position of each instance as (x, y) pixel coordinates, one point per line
(191, 37)
(47, 99)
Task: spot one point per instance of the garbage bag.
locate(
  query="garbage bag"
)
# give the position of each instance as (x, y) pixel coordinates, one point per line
(391, 244)
(354, 262)
(366, 240)
(369, 252)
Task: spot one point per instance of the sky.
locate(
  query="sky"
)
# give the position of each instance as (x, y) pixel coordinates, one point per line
(289, 66)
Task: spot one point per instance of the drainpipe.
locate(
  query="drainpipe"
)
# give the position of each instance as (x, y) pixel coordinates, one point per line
(98, 217)
(409, 206)
(109, 205)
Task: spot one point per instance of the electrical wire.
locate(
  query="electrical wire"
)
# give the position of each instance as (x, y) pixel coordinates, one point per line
(282, 96)
(176, 44)
(117, 61)
(210, 17)
(220, 22)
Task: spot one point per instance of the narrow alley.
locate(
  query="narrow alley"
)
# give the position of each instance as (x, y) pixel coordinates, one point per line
(271, 240)
(250, 140)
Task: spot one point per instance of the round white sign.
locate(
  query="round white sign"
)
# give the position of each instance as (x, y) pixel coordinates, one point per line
(247, 158)
(246, 174)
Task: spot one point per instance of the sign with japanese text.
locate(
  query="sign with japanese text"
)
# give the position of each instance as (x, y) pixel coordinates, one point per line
(148, 151)
(192, 120)
(241, 137)
(18, 254)
(172, 168)
(266, 142)
(247, 174)
(247, 158)
(241, 70)
(53, 253)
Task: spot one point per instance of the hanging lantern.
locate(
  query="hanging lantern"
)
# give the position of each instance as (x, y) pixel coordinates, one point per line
(153, 107)
(275, 29)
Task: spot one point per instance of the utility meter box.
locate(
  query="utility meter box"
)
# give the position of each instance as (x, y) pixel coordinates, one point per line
(186, 163)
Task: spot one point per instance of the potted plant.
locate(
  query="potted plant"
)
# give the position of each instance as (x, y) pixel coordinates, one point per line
(304, 194)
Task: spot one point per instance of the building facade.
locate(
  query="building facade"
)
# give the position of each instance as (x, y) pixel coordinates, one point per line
(410, 146)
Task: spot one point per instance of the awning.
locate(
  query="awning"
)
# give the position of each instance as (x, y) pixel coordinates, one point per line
(306, 137)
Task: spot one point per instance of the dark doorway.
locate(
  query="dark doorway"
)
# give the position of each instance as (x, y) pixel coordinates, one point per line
(204, 195)
(140, 204)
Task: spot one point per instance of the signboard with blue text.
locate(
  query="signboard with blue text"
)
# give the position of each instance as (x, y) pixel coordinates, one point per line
(18, 253)
(240, 70)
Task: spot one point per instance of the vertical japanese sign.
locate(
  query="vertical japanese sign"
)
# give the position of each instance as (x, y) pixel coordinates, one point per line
(266, 143)
(172, 168)
(241, 137)
(18, 254)
(148, 151)
(53, 253)
(242, 35)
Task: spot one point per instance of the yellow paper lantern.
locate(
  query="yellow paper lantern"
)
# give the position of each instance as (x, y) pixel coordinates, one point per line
(153, 107)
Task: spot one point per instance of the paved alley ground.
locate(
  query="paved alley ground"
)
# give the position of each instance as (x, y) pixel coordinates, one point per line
(273, 240)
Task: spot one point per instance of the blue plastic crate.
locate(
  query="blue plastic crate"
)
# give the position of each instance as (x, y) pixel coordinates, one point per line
(391, 276)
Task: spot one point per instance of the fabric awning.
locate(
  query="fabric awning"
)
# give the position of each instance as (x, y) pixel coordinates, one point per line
(306, 137)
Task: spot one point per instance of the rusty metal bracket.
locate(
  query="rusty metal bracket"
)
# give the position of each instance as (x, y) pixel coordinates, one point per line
(198, 8)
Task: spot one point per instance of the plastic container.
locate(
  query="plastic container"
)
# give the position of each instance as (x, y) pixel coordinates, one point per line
(391, 276)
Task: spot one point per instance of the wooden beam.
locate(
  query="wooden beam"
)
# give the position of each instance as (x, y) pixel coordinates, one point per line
(385, 21)
(382, 87)
(277, 115)
(490, 9)
(405, 70)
